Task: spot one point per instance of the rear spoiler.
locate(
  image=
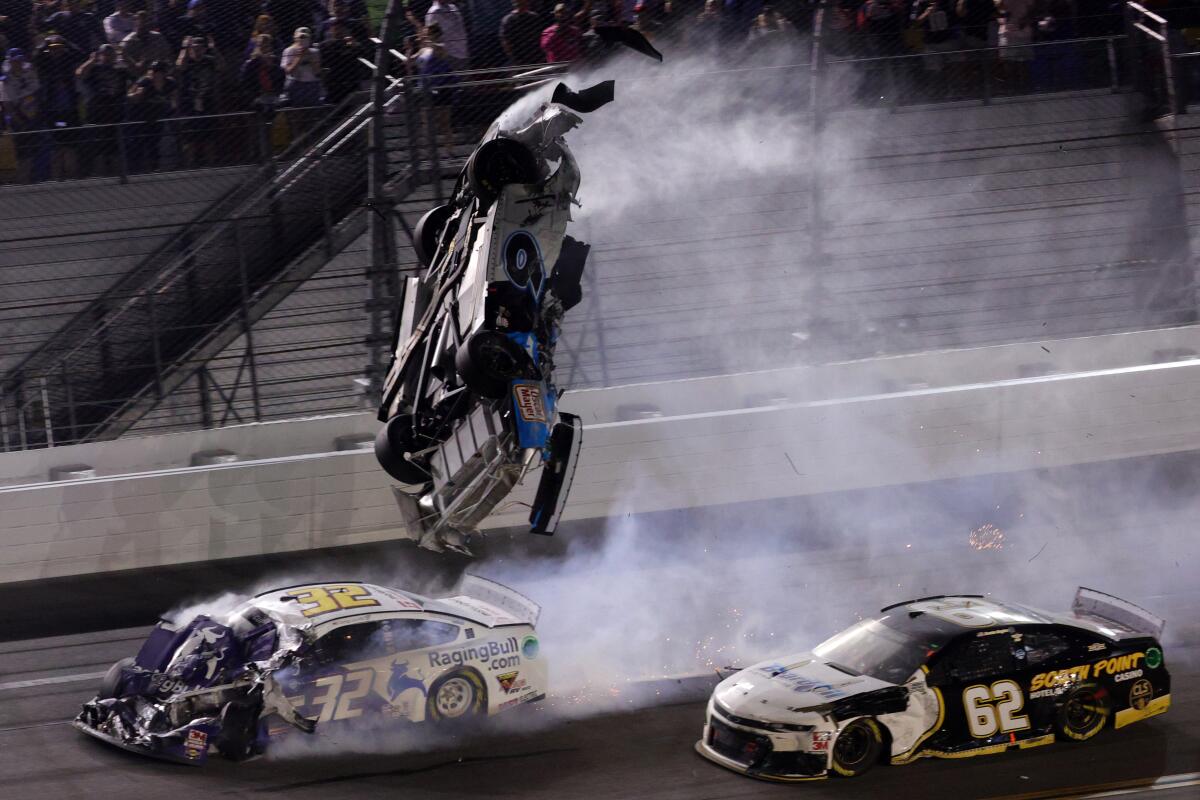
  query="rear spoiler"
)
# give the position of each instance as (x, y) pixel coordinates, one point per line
(1107, 608)
(502, 597)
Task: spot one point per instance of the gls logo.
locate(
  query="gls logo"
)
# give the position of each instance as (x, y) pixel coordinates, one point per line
(522, 258)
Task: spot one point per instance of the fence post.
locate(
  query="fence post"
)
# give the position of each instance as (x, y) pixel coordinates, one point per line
(122, 154)
(1113, 75)
(326, 214)
(66, 379)
(46, 414)
(246, 327)
(158, 388)
(4, 421)
(21, 429)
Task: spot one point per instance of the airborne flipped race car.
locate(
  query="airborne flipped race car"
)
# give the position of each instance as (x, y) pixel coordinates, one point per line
(320, 654)
(469, 401)
(940, 676)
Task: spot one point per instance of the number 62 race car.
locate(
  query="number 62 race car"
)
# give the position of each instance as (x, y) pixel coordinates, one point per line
(941, 676)
(316, 655)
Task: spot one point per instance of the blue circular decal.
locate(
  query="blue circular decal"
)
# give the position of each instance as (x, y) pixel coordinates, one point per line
(522, 258)
(529, 647)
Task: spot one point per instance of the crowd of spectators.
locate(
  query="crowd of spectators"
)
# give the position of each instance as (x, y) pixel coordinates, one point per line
(75, 68)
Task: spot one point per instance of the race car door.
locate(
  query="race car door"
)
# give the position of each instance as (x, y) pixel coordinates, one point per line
(984, 702)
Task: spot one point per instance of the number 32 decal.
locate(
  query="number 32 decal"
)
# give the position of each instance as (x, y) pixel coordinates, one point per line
(993, 709)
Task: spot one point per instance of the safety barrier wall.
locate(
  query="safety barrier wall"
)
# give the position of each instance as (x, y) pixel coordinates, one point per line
(651, 447)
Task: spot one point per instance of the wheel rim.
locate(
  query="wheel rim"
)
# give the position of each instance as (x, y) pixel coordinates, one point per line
(1082, 711)
(496, 359)
(852, 745)
(455, 698)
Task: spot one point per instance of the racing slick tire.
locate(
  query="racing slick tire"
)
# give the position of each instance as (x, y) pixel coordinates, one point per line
(497, 163)
(457, 696)
(239, 727)
(110, 684)
(1083, 713)
(393, 443)
(488, 360)
(857, 748)
(425, 234)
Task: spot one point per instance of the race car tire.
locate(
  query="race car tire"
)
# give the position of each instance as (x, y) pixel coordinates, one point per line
(497, 163)
(239, 724)
(393, 443)
(857, 748)
(110, 684)
(1083, 713)
(488, 360)
(425, 234)
(457, 696)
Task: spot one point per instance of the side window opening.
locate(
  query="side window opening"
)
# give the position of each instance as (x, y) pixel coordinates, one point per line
(1038, 648)
(983, 658)
(367, 640)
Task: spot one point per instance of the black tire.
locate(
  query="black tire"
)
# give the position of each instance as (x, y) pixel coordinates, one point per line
(110, 684)
(392, 445)
(488, 360)
(239, 730)
(1083, 713)
(427, 232)
(497, 163)
(857, 748)
(455, 697)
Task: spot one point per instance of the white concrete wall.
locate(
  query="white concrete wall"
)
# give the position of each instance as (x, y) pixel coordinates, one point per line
(942, 415)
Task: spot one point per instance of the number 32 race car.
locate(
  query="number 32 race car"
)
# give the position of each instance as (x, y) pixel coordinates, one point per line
(318, 654)
(940, 676)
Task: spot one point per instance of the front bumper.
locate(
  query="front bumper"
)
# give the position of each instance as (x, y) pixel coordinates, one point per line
(759, 753)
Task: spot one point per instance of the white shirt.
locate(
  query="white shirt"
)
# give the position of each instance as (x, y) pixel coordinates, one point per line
(117, 27)
(454, 32)
(306, 73)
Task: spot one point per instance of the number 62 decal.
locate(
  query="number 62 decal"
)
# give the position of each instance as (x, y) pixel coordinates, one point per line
(993, 709)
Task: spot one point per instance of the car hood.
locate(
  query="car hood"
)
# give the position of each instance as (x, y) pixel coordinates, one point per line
(787, 689)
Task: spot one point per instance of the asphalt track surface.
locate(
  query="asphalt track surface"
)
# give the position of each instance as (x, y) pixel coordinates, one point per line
(640, 746)
(641, 754)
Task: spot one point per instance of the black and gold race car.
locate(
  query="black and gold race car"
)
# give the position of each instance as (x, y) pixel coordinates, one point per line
(945, 676)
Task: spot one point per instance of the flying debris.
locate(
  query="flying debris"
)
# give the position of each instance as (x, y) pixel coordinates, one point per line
(306, 657)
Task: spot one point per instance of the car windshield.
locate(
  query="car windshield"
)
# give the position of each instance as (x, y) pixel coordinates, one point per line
(874, 649)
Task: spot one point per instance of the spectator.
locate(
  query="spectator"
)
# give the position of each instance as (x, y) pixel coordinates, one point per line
(340, 55)
(19, 105)
(119, 24)
(768, 31)
(563, 40)
(261, 76)
(434, 65)
(144, 46)
(194, 24)
(933, 17)
(167, 17)
(520, 35)
(1014, 37)
(16, 17)
(56, 62)
(302, 64)
(354, 17)
(882, 20)
(291, 14)
(705, 35)
(107, 79)
(197, 71)
(77, 27)
(152, 100)
(454, 32)
(263, 23)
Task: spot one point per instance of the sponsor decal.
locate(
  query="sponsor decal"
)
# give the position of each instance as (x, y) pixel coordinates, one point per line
(511, 703)
(1154, 658)
(820, 741)
(469, 633)
(528, 399)
(1127, 676)
(1040, 693)
(522, 258)
(800, 684)
(401, 681)
(510, 683)
(494, 655)
(1071, 675)
(1140, 694)
(196, 743)
(1094, 646)
(529, 647)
